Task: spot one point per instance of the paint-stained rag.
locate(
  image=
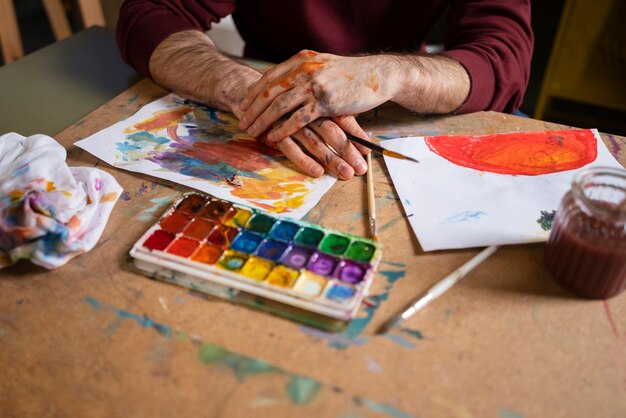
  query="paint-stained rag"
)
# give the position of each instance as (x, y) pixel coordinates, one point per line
(49, 212)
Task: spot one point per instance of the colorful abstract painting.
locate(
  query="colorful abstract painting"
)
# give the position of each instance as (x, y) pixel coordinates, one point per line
(197, 146)
(475, 191)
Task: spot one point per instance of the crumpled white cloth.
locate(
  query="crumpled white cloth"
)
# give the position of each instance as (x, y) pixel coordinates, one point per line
(49, 212)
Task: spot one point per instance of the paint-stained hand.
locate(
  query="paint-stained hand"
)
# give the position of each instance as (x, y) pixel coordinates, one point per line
(311, 85)
(344, 160)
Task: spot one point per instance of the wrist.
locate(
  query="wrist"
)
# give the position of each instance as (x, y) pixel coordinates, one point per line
(231, 88)
(391, 75)
(408, 78)
(430, 83)
(190, 64)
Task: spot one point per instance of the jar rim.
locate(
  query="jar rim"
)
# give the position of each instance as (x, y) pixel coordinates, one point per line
(582, 177)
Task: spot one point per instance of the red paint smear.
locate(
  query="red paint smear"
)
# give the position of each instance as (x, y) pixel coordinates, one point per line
(609, 316)
(162, 119)
(523, 153)
(183, 247)
(243, 155)
(159, 240)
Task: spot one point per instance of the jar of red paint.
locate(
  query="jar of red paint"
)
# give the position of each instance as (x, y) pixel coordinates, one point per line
(586, 251)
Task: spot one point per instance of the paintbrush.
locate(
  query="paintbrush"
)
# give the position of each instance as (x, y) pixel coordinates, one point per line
(371, 199)
(439, 289)
(378, 148)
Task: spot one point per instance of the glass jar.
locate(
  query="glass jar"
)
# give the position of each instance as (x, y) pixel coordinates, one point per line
(586, 251)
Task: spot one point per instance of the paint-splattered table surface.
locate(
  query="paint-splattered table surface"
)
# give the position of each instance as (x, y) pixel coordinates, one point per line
(95, 339)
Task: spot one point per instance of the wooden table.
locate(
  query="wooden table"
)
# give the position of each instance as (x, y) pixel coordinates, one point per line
(95, 339)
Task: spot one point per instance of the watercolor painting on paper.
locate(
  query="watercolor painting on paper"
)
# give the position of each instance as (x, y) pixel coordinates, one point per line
(475, 191)
(200, 147)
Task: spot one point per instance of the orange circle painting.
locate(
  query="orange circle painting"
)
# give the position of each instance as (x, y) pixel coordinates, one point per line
(519, 153)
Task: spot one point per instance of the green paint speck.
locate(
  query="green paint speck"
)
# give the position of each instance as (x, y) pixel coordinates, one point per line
(242, 366)
(383, 408)
(302, 389)
(413, 333)
(546, 219)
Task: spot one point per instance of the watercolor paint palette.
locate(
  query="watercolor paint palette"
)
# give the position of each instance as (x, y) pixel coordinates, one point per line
(291, 268)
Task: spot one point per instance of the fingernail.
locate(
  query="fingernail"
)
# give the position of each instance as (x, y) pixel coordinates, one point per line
(360, 166)
(252, 130)
(243, 122)
(345, 170)
(244, 104)
(317, 171)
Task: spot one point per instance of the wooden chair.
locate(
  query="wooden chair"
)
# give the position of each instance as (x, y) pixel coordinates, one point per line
(10, 40)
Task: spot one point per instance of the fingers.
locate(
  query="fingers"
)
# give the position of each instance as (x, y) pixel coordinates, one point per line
(334, 135)
(326, 141)
(285, 103)
(268, 78)
(295, 154)
(275, 73)
(318, 148)
(280, 92)
(262, 100)
(349, 124)
(298, 120)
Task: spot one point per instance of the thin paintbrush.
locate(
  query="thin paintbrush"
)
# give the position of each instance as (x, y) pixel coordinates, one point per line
(378, 148)
(439, 289)
(371, 199)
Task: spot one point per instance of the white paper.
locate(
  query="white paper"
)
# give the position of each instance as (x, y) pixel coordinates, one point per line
(450, 206)
(180, 141)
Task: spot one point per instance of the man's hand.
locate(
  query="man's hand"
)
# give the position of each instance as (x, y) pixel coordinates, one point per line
(313, 85)
(325, 139)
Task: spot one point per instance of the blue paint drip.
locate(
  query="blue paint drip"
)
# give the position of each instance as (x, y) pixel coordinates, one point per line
(144, 321)
(399, 339)
(382, 408)
(391, 263)
(464, 216)
(94, 303)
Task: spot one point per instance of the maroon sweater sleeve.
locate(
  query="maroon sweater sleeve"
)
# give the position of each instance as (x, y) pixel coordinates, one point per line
(493, 40)
(141, 26)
